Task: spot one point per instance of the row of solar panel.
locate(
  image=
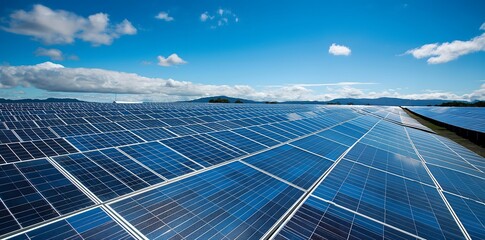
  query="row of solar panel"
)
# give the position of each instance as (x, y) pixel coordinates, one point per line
(14, 119)
(227, 202)
(31, 131)
(467, 118)
(111, 139)
(112, 173)
(377, 182)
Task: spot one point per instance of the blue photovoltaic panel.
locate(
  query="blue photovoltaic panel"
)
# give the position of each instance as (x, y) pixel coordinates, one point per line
(7, 136)
(7, 221)
(93, 224)
(316, 219)
(202, 152)
(140, 171)
(344, 129)
(215, 126)
(96, 179)
(270, 134)
(181, 130)
(459, 183)
(152, 123)
(108, 127)
(131, 125)
(256, 137)
(390, 162)
(121, 173)
(161, 160)
(338, 137)
(233, 139)
(230, 149)
(405, 204)
(55, 187)
(321, 146)
(153, 134)
(232, 201)
(468, 118)
(279, 127)
(470, 213)
(74, 130)
(25, 203)
(379, 189)
(30, 134)
(199, 128)
(292, 164)
(103, 140)
(173, 121)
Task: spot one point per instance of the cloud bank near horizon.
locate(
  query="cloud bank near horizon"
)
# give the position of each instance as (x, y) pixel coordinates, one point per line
(53, 77)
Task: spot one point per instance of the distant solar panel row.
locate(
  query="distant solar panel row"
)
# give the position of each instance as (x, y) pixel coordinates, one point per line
(242, 171)
(464, 117)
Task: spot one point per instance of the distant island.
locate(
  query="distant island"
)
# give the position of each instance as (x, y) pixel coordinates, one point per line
(3, 100)
(339, 101)
(384, 101)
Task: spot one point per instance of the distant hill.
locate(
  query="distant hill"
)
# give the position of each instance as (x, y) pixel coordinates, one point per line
(388, 101)
(3, 100)
(384, 101)
(231, 99)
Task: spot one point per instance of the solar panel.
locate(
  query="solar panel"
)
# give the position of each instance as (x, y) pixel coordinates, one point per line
(226, 171)
(468, 118)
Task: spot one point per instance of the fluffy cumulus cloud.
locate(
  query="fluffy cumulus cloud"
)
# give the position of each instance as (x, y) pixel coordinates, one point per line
(437, 53)
(339, 50)
(221, 17)
(53, 54)
(164, 16)
(91, 82)
(61, 27)
(171, 60)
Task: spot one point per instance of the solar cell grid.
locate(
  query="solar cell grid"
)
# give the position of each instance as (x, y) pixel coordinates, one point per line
(319, 220)
(199, 151)
(223, 203)
(138, 169)
(267, 141)
(161, 160)
(26, 204)
(93, 224)
(7, 136)
(321, 146)
(405, 204)
(103, 140)
(233, 139)
(104, 185)
(292, 164)
(471, 215)
(121, 173)
(381, 178)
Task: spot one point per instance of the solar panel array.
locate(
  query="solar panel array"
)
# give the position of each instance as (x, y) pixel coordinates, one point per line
(232, 171)
(470, 118)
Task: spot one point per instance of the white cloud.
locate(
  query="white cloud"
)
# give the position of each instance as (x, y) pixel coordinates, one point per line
(339, 50)
(171, 60)
(164, 16)
(205, 16)
(221, 17)
(125, 28)
(61, 27)
(53, 54)
(91, 82)
(444, 52)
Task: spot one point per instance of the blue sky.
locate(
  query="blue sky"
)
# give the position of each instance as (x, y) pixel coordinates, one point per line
(263, 50)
